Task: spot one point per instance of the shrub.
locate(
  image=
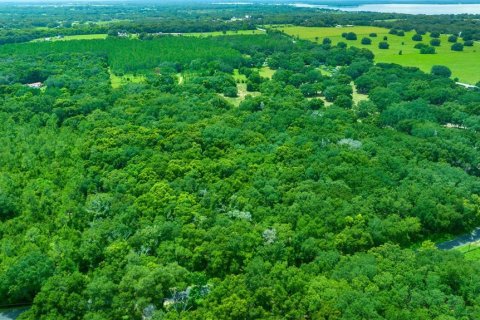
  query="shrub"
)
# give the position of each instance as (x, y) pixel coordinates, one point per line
(372, 35)
(427, 50)
(457, 47)
(401, 33)
(435, 42)
(327, 41)
(441, 71)
(383, 45)
(452, 38)
(435, 35)
(351, 36)
(366, 41)
(417, 37)
(468, 43)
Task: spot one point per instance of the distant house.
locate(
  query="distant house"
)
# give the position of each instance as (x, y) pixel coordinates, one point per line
(35, 85)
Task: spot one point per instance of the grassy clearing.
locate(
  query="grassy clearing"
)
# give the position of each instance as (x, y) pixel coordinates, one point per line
(266, 72)
(471, 251)
(221, 33)
(239, 77)
(75, 37)
(242, 93)
(464, 65)
(118, 81)
(357, 97)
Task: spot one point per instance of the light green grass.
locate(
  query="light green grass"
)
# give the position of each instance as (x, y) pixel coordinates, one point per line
(75, 37)
(242, 93)
(118, 81)
(227, 33)
(465, 65)
(471, 251)
(266, 72)
(238, 76)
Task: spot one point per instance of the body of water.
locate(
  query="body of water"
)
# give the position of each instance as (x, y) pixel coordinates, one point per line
(430, 9)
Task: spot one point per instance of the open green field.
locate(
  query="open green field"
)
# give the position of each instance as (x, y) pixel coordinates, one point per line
(464, 65)
(220, 33)
(75, 37)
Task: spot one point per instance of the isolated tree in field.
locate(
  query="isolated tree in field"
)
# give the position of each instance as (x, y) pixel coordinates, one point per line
(373, 35)
(441, 71)
(457, 47)
(452, 38)
(435, 42)
(327, 41)
(427, 50)
(351, 36)
(366, 41)
(383, 45)
(385, 38)
(417, 37)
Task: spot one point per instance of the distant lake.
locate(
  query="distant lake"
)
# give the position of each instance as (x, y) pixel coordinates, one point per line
(429, 9)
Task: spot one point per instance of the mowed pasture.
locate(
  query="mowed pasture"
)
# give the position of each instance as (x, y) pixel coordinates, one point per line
(465, 65)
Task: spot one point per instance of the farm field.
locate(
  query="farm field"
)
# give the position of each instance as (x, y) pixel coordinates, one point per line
(464, 65)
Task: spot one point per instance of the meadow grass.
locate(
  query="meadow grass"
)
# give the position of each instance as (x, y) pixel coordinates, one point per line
(471, 251)
(465, 65)
(118, 81)
(75, 37)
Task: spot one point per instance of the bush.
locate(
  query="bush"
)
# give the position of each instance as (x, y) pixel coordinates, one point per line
(468, 43)
(401, 33)
(435, 42)
(383, 45)
(417, 37)
(327, 41)
(435, 35)
(230, 92)
(420, 46)
(457, 47)
(351, 36)
(427, 50)
(393, 31)
(366, 41)
(342, 45)
(441, 71)
(372, 35)
(452, 38)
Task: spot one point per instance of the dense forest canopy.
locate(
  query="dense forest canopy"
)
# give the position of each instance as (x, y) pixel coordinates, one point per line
(233, 177)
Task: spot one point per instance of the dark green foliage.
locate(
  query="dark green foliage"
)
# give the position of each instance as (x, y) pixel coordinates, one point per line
(452, 39)
(435, 42)
(441, 71)
(468, 43)
(427, 50)
(383, 45)
(417, 37)
(351, 36)
(435, 34)
(457, 47)
(372, 35)
(366, 41)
